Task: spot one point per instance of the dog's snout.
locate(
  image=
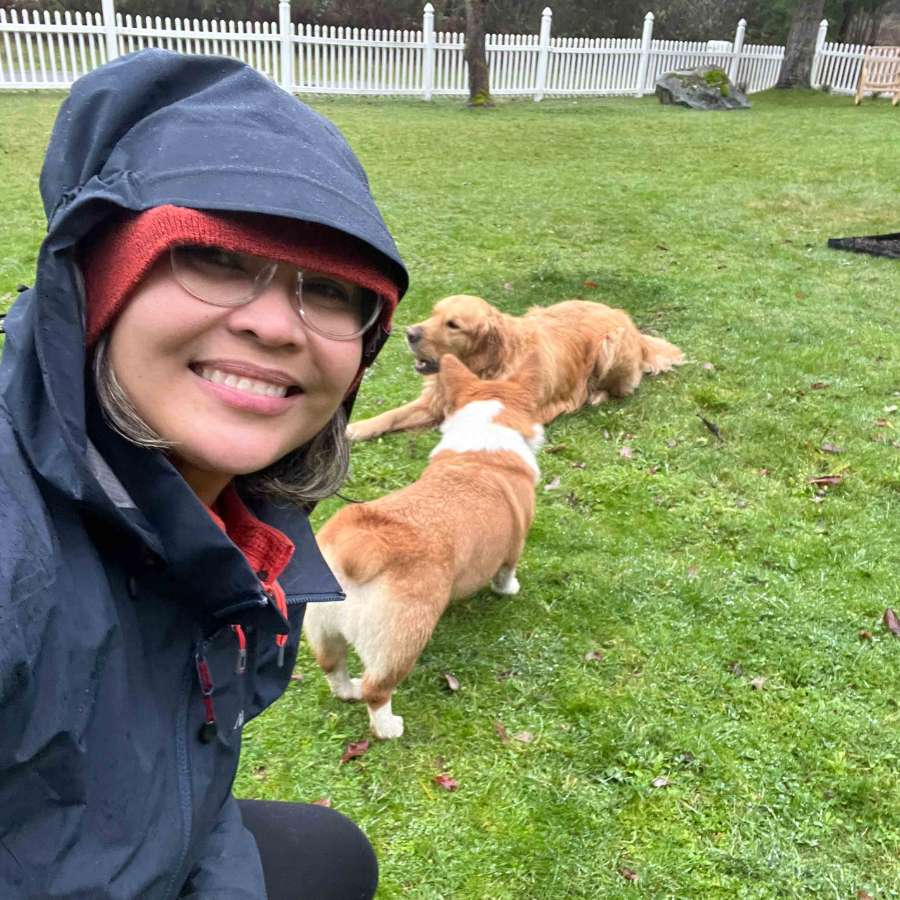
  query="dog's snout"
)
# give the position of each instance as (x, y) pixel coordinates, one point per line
(413, 334)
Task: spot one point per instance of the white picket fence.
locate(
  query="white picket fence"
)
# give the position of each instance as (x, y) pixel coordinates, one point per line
(40, 50)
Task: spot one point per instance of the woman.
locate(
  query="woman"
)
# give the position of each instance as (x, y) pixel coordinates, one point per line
(175, 387)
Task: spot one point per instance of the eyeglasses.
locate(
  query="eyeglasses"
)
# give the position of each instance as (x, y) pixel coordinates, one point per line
(329, 307)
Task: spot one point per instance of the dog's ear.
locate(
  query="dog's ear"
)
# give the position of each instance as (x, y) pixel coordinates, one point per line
(453, 376)
(610, 345)
(487, 355)
(528, 375)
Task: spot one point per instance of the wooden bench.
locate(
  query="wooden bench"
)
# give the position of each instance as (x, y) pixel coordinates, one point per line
(880, 73)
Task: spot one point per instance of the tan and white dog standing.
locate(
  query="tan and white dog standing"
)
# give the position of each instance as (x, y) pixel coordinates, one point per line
(403, 558)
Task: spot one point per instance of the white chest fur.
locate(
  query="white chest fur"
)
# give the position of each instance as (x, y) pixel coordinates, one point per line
(473, 428)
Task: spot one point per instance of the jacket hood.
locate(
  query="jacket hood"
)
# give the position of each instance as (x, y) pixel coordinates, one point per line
(150, 129)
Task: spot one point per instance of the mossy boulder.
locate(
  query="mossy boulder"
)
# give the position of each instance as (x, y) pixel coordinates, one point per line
(705, 88)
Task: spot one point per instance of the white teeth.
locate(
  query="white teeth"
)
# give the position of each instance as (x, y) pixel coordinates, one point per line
(241, 383)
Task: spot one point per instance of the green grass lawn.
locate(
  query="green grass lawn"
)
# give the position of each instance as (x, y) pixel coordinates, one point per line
(739, 735)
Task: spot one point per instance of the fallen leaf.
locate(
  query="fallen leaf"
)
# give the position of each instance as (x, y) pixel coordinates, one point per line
(553, 485)
(606, 434)
(556, 448)
(758, 683)
(799, 295)
(323, 801)
(891, 409)
(891, 622)
(501, 732)
(297, 676)
(709, 367)
(671, 444)
(653, 470)
(579, 465)
(628, 874)
(741, 503)
(883, 423)
(507, 286)
(591, 284)
(711, 426)
(354, 750)
(735, 668)
(452, 681)
(827, 479)
(524, 737)
(693, 571)
(819, 385)
(660, 782)
(506, 674)
(446, 782)
(260, 773)
(763, 472)
(828, 447)
(661, 246)
(865, 634)
(626, 452)
(863, 895)
(594, 656)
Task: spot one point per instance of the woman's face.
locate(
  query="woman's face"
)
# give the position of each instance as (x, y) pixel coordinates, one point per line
(233, 388)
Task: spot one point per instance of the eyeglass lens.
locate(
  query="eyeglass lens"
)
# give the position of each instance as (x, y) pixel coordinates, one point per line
(223, 278)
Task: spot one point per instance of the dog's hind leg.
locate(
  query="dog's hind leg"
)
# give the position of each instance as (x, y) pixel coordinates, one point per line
(329, 647)
(390, 651)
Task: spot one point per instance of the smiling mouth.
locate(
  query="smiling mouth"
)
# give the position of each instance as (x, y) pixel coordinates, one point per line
(256, 386)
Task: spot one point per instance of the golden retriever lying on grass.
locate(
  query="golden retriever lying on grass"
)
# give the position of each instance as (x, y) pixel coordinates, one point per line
(587, 352)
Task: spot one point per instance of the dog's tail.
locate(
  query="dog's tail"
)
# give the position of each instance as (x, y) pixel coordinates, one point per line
(659, 355)
(355, 552)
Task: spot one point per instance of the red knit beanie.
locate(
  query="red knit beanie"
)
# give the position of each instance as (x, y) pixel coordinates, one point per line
(115, 261)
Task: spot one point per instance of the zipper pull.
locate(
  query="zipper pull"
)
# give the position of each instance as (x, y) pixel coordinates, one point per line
(242, 649)
(208, 729)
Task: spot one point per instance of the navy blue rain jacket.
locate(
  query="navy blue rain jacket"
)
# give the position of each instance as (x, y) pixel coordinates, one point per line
(113, 577)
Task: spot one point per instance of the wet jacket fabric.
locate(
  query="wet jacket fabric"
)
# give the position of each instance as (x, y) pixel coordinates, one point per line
(116, 585)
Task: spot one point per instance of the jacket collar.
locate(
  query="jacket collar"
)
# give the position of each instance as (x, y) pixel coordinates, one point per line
(205, 567)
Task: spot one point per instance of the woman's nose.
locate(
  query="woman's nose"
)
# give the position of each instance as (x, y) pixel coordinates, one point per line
(273, 317)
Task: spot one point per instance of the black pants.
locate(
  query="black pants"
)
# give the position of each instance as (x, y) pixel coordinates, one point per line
(310, 852)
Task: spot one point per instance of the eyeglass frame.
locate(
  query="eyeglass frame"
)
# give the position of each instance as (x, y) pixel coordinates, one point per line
(262, 281)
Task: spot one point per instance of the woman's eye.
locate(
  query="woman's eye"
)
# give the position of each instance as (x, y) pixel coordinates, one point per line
(327, 293)
(216, 259)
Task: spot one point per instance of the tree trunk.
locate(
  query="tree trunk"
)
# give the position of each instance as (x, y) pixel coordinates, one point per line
(796, 70)
(476, 57)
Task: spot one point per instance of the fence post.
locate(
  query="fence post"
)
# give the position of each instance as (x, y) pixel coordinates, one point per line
(109, 29)
(736, 51)
(543, 53)
(286, 35)
(646, 43)
(817, 56)
(428, 51)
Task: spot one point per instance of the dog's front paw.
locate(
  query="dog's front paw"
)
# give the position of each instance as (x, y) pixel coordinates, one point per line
(385, 725)
(345, 688)
(505, 582)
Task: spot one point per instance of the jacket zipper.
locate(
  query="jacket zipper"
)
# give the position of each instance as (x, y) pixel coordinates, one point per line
(184, 778)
